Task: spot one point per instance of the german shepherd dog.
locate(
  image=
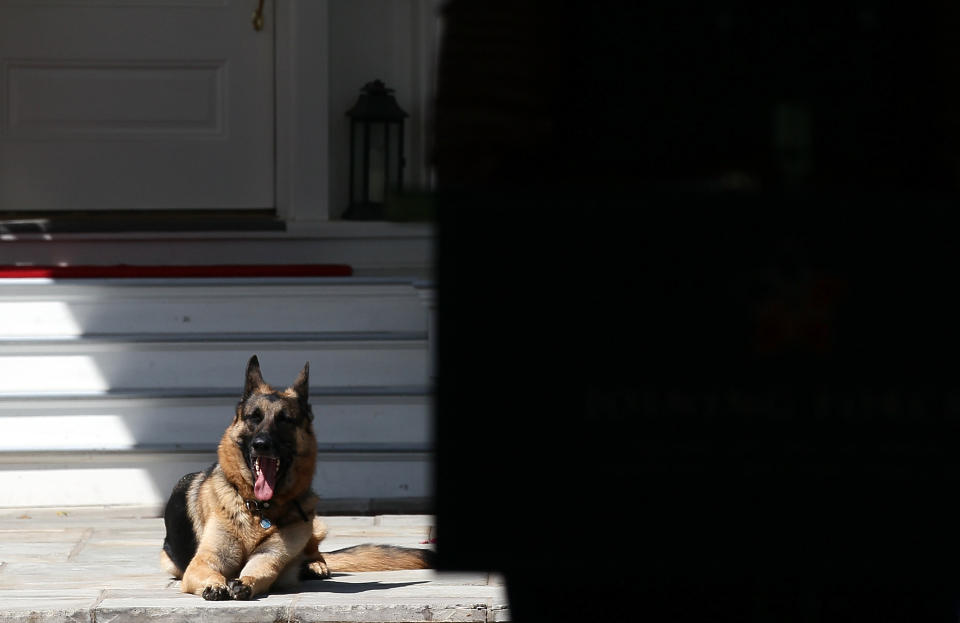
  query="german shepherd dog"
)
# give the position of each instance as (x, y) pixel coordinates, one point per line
(248, 524)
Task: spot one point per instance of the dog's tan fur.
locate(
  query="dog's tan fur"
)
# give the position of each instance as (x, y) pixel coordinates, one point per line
(236, 557)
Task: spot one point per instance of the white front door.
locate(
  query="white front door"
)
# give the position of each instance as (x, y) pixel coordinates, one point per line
(135, 105)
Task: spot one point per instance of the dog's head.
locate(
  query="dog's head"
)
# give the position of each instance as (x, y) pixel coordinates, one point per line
(270, 450)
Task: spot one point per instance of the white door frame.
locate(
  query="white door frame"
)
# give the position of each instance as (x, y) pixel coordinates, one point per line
(302, 101)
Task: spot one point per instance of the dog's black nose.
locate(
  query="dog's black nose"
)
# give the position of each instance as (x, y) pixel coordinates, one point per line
(261, 443)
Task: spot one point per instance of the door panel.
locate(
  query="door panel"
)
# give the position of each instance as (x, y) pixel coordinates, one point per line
(135, 104)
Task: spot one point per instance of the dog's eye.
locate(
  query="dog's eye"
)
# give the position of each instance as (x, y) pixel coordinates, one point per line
(256, 417)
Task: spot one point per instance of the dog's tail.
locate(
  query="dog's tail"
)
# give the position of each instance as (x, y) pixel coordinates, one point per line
(369, 557)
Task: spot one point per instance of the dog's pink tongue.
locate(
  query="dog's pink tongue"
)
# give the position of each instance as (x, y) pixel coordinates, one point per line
(266, 479)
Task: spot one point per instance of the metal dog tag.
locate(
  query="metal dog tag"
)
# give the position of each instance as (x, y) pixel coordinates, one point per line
(265, 523)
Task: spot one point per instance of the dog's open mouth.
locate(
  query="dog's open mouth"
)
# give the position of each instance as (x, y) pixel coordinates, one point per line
(265, 470)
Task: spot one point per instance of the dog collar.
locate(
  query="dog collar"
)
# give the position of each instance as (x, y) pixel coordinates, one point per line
(256, 507)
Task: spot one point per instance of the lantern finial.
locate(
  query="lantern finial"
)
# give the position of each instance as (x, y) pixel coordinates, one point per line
(377, 87)
(376, 103)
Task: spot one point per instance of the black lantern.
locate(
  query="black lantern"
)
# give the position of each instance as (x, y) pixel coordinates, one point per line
(376, 151)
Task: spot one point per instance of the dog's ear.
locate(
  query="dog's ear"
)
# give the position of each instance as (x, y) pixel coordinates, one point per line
(253, 379)
(302, 387)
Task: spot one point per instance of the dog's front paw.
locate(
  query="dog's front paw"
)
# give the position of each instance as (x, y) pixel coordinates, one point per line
(239, 590)
(218, 592)
(319, 569)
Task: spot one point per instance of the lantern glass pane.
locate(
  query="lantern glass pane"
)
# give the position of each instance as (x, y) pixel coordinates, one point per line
(377, 182)
(395, 163)
(358, 191)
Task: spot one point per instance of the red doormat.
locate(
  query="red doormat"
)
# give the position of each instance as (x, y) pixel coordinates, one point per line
(125, 271)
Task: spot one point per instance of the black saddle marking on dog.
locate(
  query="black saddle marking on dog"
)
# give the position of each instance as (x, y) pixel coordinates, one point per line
(180, 543)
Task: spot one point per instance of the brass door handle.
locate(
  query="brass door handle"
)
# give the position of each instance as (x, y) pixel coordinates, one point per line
(258, 17)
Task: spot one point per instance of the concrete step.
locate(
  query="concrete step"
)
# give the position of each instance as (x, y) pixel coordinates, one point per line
(91, 364)
(344, 417)
(145, 477)
(131, 447)
(31, 308)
